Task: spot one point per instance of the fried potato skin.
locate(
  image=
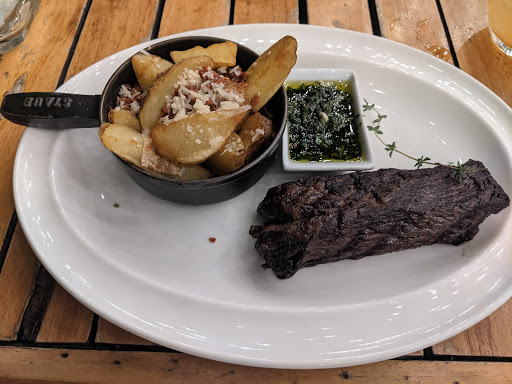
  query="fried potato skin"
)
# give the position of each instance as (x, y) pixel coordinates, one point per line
(229, 158)
(224, 54)
(150, 112)
(148, 67)
(194, 139)
(124, 117)
(255, 133)
(125, 142)
(270, 70)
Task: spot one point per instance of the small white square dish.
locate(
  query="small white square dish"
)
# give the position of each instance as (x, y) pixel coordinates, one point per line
(343, 80)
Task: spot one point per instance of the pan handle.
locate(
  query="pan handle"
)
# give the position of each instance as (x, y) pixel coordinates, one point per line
(52, 110)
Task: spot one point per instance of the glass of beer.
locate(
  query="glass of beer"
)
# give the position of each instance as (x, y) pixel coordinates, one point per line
(500, 23)
(15, 18)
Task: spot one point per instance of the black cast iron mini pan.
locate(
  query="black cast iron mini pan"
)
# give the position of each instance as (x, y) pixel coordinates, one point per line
(63, 111)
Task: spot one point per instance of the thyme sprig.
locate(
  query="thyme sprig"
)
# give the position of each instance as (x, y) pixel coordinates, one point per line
(392, 148)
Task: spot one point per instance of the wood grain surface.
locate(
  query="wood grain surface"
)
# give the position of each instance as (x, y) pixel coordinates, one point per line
(353, 15)
(416, 23)
(112, 334)
(66, 320)
(110, 27)
(266, 11)
(53, 365)
(17, 282)
(183, 15)
(490, 337)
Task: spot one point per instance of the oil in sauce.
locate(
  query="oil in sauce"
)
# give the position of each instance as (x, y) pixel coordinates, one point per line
(321, 122)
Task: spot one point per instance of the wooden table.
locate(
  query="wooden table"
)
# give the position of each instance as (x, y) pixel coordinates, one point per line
(46, 336)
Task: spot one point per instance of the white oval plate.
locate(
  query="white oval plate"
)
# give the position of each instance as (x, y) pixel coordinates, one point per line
(148, 266)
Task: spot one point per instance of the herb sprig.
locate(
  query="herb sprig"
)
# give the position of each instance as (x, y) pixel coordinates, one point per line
(392, 148)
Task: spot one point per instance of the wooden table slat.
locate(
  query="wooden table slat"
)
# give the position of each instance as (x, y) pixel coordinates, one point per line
(66, 320)
(104, 34)
(112, 334)
(266, 11)
(353, 15)
(17, 282)
(416, 23)
(89, 366)
(215, 14)
(490, 337)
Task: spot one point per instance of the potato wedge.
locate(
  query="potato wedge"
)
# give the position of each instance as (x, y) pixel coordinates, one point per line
(151, 110)
(148, 67)
(153, 161)
(194, 139)
(124, 141)
(230, 157)
(193, 173)
(255, 134)
(270, 70)
(224, 54)
(124, 117)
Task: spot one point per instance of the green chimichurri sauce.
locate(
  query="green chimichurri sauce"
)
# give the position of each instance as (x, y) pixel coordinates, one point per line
(321, 122)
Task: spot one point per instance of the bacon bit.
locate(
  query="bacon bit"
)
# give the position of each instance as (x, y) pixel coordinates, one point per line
(165, 111)
(127, 107)
(212, 239)
(217, 78)
(241, 78)
(213, 107)
(126, 100)
(255, 100)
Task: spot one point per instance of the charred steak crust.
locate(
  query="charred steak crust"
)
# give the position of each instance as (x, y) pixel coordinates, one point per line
(325, 219)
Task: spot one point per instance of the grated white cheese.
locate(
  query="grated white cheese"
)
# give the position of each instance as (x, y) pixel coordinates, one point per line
(197, 93)
(215, 141)
(134, 107)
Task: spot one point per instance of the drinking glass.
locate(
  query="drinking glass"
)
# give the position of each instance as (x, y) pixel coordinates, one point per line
(500, 23)
(15, 18)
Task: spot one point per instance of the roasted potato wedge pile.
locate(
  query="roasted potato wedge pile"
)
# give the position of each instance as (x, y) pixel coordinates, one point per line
(205, 140)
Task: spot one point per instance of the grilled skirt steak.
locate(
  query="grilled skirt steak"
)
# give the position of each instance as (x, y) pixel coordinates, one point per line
(325, 219)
